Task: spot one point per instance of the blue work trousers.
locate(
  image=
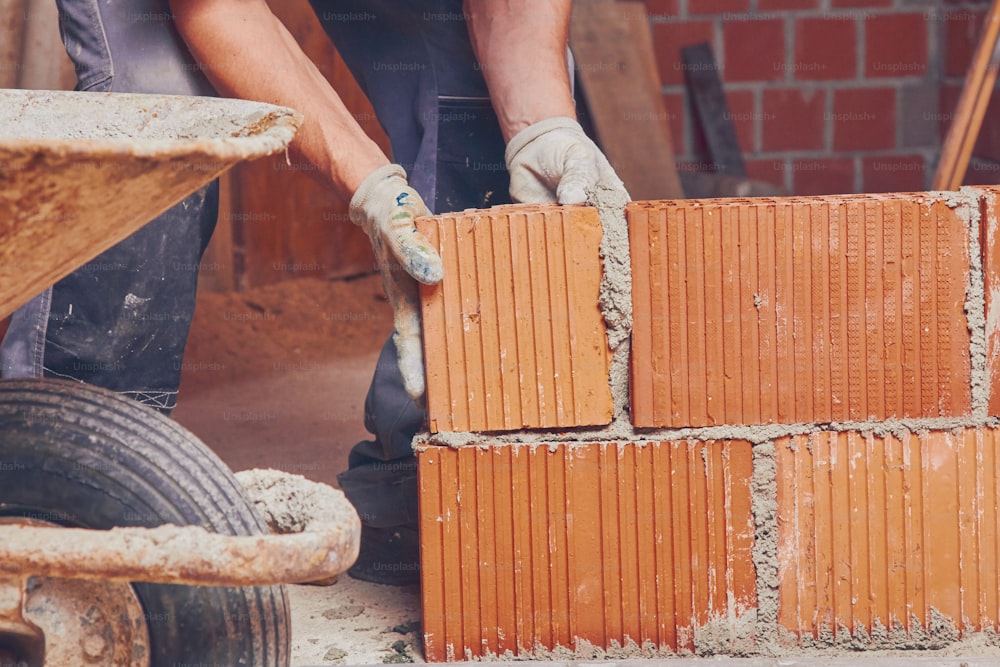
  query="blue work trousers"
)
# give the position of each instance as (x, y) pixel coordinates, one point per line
(415, 62)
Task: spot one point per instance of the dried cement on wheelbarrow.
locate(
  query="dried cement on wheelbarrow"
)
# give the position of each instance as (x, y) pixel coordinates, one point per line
(79, 172)
(289, 503)
(352, 622)
(47, 115)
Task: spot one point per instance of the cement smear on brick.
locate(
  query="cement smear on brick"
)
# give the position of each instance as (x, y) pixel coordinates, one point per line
(727, 635)
(616, 283)
(940, 635)
(615, 298)
(584, 650)
(764, 506)
(967, 206)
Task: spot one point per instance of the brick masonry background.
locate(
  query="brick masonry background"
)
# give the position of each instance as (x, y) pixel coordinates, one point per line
(829, 96)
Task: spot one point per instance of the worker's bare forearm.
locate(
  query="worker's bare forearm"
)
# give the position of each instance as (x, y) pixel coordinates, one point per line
(521, 45)
(246, 52)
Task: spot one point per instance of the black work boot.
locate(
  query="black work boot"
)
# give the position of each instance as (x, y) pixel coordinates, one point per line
(388, 556)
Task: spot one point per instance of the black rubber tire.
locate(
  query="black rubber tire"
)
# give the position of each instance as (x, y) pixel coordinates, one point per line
(81, 456)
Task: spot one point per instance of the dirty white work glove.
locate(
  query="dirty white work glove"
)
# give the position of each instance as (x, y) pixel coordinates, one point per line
(385, 206)
(554, 160)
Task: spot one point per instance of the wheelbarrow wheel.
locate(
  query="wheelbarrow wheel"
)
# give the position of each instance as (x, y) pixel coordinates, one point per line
(80, 456)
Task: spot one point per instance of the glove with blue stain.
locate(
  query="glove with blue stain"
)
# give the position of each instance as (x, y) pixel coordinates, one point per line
(554, 160)
(385, 206)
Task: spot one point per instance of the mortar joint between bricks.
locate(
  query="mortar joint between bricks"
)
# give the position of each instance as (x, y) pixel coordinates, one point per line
(973, 201)
(764, 509)
(790, 55)
(622, 432)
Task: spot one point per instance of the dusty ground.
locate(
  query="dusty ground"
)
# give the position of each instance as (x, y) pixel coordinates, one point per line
(275, 378)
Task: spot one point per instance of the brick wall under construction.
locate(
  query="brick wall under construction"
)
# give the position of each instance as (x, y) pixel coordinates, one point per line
(795, 449)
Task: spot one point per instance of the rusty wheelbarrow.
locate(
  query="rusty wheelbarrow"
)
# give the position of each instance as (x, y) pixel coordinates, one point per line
(123, 539)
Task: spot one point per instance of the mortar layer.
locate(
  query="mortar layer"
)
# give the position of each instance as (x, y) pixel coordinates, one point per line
(755, 434)
(966, 203)
(615, 298)
(940, 636)
(918, 645)
(764, 505)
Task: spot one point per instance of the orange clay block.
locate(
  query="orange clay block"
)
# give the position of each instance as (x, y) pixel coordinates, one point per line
(513, 336)
(527, 547)
(758, 311)
(990, 242)
(888, 533)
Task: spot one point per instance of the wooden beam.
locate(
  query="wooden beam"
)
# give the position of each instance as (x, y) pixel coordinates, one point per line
(612, 45)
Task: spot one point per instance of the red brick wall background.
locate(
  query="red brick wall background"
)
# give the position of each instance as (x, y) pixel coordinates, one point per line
(829, 96)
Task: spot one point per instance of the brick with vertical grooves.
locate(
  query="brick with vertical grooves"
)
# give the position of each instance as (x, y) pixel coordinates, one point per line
(584, 542)
(799, 310)
(887, 532)
(513, 336)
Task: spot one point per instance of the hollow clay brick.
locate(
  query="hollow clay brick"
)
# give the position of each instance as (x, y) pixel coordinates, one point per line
(513, 335)
(543, 546)
(888, 533)
(798, 310)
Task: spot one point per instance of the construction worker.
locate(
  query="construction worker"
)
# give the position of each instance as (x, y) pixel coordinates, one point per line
(476, 99)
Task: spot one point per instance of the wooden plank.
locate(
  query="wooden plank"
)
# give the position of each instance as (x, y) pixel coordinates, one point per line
(709, 100)
(624, 100)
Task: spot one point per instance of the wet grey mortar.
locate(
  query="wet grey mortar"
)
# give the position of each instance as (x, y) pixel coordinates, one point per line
(766, 637)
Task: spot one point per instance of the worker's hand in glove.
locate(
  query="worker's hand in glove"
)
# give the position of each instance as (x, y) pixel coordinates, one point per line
(553, 160)
(386, 206)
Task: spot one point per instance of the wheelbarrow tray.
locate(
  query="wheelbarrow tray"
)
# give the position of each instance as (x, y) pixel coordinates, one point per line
(80, 171)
